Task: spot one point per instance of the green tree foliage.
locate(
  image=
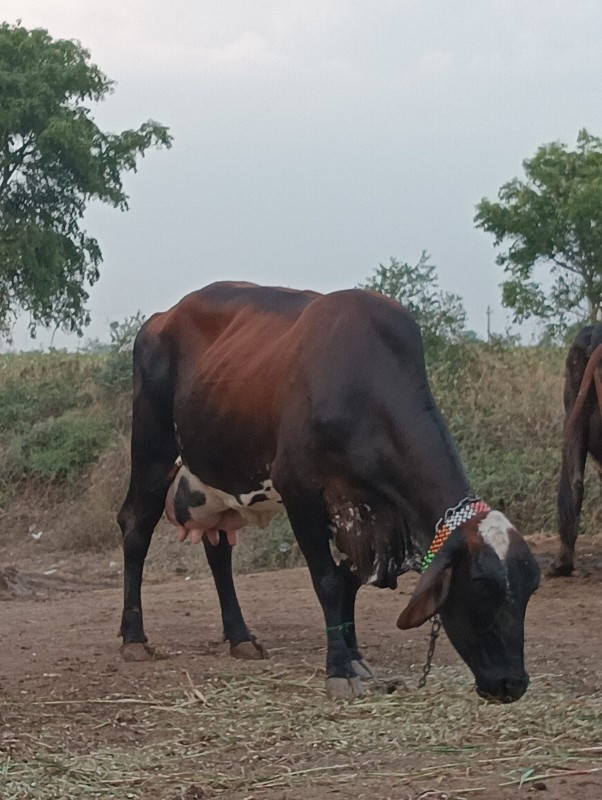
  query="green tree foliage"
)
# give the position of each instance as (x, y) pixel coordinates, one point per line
(54, 159)
(440, 314)
(552, 223)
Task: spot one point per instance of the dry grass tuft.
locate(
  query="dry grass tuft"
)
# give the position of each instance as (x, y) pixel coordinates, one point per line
(88, 520)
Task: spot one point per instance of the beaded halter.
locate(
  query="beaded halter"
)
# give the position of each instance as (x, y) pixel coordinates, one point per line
(451, 521)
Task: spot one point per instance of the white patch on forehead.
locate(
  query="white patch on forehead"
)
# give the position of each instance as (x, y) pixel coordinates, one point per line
(495, 530)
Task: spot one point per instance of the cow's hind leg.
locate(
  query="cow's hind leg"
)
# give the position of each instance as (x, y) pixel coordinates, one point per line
(242, 643)
(570, 499)
(153, 454)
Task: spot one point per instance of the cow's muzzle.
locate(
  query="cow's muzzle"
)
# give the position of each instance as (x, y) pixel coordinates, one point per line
(506, 690)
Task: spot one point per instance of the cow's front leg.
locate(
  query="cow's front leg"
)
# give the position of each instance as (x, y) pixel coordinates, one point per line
(344, 669)
(336, 589)
(359, 664)
(242, 642)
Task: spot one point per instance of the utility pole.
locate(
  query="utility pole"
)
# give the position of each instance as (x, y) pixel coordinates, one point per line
(488, 324)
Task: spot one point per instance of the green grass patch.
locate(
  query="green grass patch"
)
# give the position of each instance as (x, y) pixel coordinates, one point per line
(36, 386)
(60, 449)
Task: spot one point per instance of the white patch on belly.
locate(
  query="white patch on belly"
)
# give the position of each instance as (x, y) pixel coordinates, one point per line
(495, 529)
(267, 489)
(223, 510)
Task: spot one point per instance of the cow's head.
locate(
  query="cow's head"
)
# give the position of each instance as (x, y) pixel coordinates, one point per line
(480, 582)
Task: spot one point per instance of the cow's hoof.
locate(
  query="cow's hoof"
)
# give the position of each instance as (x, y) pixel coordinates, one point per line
(343, 688)
(560, 569)
(363, 670)
(138, 651)
(249, 651)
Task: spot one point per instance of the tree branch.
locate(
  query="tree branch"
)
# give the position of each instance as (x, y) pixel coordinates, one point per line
(15, 159)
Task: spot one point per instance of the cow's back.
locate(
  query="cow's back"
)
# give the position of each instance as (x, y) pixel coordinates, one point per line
(239, 340)
(202, 316)
(257, 369)
(227, 360)
(225, 342)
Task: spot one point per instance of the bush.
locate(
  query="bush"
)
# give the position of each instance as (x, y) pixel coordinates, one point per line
(59, 449)
(503, 405)
(38, 386)
(116, 372)
(441, 315)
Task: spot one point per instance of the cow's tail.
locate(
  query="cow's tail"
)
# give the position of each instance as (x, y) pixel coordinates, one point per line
(574, 453)
(590, 375)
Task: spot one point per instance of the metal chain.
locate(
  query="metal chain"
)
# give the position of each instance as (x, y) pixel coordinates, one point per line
(434, 635)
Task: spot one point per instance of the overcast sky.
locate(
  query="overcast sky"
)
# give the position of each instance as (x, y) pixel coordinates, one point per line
(313, 139)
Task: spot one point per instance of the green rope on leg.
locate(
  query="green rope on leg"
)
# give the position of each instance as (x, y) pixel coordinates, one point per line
(344, 626)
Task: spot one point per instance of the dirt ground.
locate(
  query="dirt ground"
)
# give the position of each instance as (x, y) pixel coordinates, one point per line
(77, 722)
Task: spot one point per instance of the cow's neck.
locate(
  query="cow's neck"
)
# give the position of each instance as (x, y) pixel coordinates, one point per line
(433, 477)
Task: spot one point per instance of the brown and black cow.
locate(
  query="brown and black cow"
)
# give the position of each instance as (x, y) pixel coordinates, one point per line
(251, 400)
(582, 435)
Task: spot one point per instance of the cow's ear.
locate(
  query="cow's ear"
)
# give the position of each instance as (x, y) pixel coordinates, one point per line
(431, 590)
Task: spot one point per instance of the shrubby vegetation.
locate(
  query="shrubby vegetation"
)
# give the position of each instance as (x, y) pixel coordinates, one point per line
(64, 438)
(59, 412)
(58, 449)
(441, 315)
(116, 371)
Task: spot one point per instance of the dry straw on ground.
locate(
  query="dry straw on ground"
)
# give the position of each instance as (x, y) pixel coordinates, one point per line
(237, 736)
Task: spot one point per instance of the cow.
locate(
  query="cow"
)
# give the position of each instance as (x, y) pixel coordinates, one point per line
(582, 435)
(250, 400)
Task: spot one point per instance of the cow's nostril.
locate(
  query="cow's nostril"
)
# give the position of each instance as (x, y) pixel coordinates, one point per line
(513, 689)
(506, 690)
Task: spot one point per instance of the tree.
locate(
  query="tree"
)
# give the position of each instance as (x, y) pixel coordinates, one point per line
(54, 159)
(440, 314)
(553, 224)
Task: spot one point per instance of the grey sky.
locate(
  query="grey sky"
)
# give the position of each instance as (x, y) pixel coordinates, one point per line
(314, 139)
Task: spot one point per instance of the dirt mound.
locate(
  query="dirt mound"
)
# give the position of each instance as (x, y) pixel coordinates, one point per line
(33, 584)
(13, 584)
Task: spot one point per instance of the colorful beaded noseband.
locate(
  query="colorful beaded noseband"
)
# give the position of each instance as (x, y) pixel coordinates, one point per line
(453, 519)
